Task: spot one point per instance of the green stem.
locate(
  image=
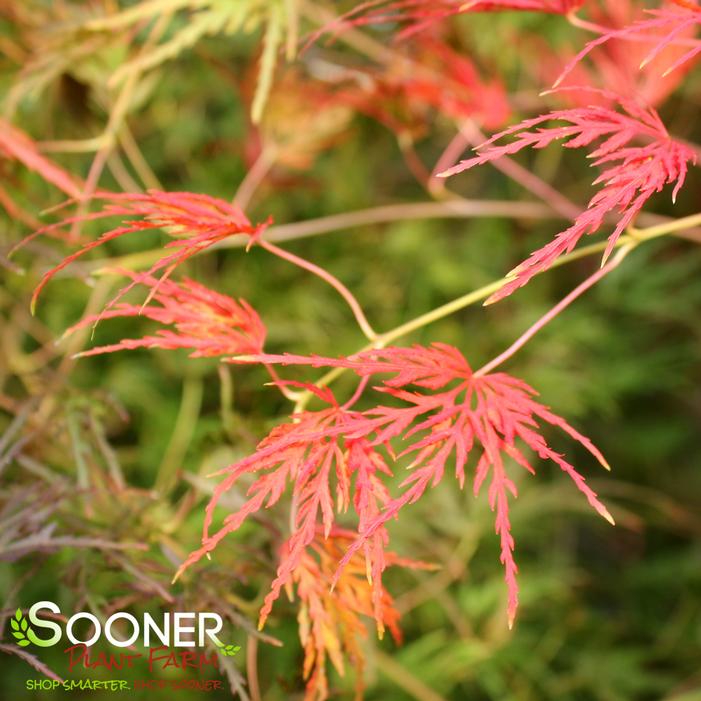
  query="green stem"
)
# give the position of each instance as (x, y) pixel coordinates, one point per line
(190, 406)
(631, 239)
(670, 227)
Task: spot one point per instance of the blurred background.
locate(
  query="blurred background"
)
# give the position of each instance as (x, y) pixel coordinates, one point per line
(103, 461)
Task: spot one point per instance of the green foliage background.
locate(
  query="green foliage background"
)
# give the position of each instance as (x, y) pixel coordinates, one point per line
(607, 614)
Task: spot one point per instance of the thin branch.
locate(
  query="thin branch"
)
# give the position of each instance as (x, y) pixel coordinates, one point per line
(108, 139)
(449, 209)
(120, 173)
(136, 158)
(188, 413)
(279, 383)
(255, 176)
(352, 302)
(450, 156)
(634, 237)
(252, 668)
(560, 306)
(31, 660)
(404, 678)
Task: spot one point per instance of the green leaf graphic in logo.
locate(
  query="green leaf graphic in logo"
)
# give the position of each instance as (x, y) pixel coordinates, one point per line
(23, 632)
(21, 629)
(228, 650)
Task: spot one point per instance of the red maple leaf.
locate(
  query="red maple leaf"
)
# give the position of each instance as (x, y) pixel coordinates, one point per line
(427, 75)
(331, 464)
(666, 27)
(630, 174)
(457, 415)
(487, 415)
(616, 65)
(318, 452)
(205, 322)
(331, 621)
(195, 222)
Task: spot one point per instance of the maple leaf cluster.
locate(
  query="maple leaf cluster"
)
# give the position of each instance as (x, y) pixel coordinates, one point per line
(320, 453)
(331, 623)
(616, 65)
(203, 321)
(630, 175)
(482, 422)
(194, 222)
(662, 29)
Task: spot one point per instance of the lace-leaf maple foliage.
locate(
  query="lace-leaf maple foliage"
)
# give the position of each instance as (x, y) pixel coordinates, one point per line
(207, 323)
(459, 416)
(309, 452)
(331, 623)
(337, 457)
(616, 65)
(630, 175)
(663, 28)
(194, 222)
